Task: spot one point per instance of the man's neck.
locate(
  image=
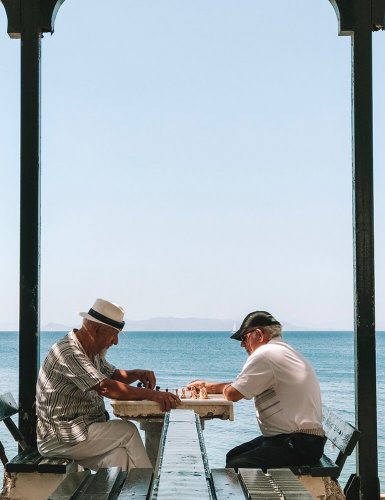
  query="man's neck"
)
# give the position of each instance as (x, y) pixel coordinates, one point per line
(86, 340)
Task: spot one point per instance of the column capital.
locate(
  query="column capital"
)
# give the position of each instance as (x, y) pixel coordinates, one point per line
(19, 21)
(348, 14)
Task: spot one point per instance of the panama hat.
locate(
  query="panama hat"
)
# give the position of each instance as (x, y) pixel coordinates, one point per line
(105, 312)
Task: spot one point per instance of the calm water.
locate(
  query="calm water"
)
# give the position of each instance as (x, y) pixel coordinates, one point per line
(178, 357)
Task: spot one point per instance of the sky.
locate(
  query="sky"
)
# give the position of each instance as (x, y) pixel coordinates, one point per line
(196, 162)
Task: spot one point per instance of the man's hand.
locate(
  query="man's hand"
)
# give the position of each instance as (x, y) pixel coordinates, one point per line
(211, 387)
(147, 377)
(197, 384)
(167, 401)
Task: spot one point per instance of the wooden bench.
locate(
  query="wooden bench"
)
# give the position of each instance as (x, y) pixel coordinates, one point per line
(254, 484)
(105, 484)
(182, 473)
(343, 436)
(29, 459)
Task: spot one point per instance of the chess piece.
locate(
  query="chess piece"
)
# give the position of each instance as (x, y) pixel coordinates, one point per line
(193, 393)
(203, 393)
(183, 396)
(176, 392)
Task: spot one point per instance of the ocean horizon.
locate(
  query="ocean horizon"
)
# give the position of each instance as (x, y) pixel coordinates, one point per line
(177, 357)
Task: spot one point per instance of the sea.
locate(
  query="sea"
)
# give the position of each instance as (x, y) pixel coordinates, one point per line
(180, 357)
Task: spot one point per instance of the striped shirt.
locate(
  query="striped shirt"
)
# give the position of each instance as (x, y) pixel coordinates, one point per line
(65, 405)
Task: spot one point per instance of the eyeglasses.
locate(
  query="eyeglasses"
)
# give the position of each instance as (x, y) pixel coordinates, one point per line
(246, 334)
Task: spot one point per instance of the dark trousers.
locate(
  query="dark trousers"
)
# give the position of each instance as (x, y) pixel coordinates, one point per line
(276, 451)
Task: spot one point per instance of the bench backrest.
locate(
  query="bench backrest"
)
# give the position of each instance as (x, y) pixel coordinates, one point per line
(8, 408)
(342, 434)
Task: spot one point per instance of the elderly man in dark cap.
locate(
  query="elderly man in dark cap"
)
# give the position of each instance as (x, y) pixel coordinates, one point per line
(287, 398)
(73, 379)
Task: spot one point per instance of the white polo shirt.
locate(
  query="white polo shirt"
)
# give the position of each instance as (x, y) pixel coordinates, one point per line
(285, 389)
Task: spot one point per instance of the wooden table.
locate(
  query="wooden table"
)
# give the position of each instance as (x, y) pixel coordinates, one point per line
(150, 416)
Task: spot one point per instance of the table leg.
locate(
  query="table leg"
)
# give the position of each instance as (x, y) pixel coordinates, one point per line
(152, 431)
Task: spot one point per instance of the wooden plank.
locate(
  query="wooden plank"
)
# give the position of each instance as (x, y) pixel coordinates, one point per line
(343, 435)
(104, 485)
(226, 485)
(69, 487)
(137, 485)
(289, 485)
(324, 468)
(26, 461)
(182, 471)
(54, 465)
(258, 485)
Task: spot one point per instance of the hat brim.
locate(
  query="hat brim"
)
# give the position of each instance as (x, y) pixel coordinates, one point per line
(238, 334)
(91, 318)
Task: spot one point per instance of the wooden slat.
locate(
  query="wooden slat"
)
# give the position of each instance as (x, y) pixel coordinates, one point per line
(54, 465)
(289, 485)
(137, 485)
(258, 485)
(226, 485)
(26, 461)
(343, 435)
(69, 487)
(104, 485)
(182, 471)
(324, 468)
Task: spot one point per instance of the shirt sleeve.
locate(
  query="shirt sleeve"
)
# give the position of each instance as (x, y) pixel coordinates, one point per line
(255, 378)
(78, 369)
(107, 368)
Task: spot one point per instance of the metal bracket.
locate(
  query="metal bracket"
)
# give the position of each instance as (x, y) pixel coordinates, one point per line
(378, 14)
(346, 14)
(47, 14)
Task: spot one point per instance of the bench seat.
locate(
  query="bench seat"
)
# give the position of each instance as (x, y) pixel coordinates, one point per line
(105, 484)
(325, 467)
(30, 460)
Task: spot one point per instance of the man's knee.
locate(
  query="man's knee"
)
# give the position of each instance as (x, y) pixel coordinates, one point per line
(116, 458)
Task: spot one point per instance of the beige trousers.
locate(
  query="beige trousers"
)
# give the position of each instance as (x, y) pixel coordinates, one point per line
(116, 443)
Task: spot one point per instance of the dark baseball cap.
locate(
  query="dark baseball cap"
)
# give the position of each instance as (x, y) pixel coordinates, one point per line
(255, 319)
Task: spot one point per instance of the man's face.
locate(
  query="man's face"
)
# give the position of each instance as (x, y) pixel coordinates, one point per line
(107, 336)
(252, 339)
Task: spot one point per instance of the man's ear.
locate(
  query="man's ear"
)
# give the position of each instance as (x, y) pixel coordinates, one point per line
(260, 334)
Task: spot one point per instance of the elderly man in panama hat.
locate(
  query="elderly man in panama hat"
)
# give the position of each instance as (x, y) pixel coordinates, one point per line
(286, 394)
(74, 378)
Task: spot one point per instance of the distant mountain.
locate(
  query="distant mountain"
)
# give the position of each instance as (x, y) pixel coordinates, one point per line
(173, 324)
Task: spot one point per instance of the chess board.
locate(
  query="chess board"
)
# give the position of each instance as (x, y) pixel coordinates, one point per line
(213, 407)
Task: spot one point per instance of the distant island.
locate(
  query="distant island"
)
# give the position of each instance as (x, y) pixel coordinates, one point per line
(173, 324)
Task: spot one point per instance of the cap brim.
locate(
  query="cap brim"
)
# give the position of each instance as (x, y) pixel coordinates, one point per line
(237, 335)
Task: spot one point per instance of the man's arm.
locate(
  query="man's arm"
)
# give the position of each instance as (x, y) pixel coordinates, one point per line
(147, 377)
(232, 394)
(115, 389)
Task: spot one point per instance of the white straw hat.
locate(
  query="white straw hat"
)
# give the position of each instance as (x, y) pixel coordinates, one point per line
(105, 312)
